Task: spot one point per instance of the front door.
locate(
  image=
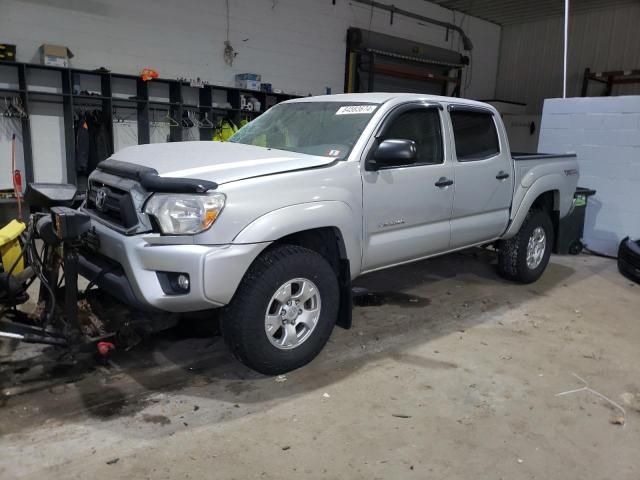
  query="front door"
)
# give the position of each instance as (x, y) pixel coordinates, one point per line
(407, 208)
(483, 178)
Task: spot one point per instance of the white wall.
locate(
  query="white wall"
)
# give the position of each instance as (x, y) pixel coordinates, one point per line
(297, 45)
(605, 133)
(9, 127)
(530, 67)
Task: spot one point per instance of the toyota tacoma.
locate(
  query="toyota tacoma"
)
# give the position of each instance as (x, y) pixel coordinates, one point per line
(272, 226)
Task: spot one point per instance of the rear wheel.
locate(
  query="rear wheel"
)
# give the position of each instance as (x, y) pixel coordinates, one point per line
(524, 257)
(283, 311)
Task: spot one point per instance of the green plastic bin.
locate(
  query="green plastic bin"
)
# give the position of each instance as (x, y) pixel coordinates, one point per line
(571, 227)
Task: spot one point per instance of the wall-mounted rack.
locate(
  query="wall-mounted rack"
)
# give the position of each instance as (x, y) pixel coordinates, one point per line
(609, 79)
(114, 91)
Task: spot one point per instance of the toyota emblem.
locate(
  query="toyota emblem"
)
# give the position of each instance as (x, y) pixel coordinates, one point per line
(101, 198)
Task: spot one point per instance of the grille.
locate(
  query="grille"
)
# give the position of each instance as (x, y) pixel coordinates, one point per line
(116, 206)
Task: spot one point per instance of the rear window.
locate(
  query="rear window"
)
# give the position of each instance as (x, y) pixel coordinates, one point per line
(475, 135)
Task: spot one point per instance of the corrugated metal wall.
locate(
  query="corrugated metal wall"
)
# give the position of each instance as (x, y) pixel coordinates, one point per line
(530, 65)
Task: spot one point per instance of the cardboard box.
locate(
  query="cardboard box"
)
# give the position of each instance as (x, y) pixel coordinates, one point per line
(7, 52)
(248, 84)
(55, 55)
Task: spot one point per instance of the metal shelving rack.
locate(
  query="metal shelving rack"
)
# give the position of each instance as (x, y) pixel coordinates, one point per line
(141, 102)
(609, 79)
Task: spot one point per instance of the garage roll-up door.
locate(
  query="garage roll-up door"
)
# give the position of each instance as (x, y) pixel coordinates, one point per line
(379, 62)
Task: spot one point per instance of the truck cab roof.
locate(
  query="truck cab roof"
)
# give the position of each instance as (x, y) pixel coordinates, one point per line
(384, 97)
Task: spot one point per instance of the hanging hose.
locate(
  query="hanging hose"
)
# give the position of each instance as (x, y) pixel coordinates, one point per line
(99, 276)
(17, 177)
(36, 262)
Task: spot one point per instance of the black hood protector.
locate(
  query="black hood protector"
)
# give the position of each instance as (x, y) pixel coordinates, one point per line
(150, 180)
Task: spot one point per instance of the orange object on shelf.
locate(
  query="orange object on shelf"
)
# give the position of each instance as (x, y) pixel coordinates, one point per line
(148, 74)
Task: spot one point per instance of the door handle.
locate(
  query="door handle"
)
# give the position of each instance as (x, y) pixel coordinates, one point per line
(502, 175)
(443, 182)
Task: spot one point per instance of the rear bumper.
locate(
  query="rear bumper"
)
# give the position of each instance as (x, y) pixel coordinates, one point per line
(629, 259)
(130, 266)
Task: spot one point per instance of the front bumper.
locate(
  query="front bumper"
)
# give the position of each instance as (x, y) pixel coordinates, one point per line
(128, 266)
(629, 259)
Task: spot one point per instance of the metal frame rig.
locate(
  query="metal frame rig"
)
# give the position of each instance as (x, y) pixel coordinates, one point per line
(48, 249)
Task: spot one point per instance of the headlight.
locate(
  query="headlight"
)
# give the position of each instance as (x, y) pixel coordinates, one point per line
(179, 214)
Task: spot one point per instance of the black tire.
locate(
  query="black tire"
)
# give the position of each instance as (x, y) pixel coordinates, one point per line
(243, 320)
(512, 253)
(576, 247)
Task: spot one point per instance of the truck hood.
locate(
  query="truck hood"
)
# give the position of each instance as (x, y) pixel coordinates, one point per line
(220, 162)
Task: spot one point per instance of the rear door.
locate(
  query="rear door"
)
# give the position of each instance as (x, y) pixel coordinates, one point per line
(407, 208)
(483, 174)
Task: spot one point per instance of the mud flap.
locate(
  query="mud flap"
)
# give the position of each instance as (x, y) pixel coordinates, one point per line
(346, 301)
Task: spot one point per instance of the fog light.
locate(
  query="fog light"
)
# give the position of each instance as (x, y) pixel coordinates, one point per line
(183, 281)
(174, 283)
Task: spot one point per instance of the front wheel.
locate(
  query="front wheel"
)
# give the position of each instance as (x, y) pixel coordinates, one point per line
(283, 311)
(524, 257)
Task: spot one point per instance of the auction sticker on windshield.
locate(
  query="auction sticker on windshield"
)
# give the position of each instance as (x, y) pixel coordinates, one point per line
(355, 109)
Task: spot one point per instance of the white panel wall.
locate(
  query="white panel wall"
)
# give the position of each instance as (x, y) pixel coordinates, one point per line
(9, 127)
(47, 130)
(297, 45)
(605, 133)
(530, 67)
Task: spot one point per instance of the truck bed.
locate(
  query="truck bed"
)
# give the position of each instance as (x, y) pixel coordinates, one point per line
(531, 167)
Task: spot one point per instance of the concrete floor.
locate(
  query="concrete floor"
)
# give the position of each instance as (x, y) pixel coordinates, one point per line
(453, 375)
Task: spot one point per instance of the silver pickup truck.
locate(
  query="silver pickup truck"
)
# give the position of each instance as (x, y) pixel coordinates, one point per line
(273, 225)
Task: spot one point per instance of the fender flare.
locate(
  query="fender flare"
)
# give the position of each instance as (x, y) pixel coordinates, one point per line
(278, 223)
(544, 184)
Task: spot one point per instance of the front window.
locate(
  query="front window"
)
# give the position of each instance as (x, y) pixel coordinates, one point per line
(327, 129)
(421, 125)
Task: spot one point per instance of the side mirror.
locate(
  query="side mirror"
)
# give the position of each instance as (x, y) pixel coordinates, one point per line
(393, 153)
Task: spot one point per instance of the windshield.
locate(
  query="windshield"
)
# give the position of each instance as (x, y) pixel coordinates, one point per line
(328, 129)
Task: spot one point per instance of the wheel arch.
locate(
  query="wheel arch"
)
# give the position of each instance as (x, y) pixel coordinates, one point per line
(543, 194)
(327, 228)
(297, 222)
(328, 242)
